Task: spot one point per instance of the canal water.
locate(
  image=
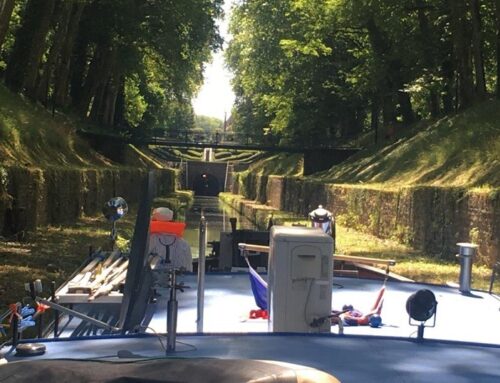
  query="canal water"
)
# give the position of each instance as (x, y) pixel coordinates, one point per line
(217, 215)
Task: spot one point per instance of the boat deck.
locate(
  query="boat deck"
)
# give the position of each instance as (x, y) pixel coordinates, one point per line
(228, 301)
(464, 345)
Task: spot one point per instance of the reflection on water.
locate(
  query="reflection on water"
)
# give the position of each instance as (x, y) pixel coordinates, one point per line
(217, 215)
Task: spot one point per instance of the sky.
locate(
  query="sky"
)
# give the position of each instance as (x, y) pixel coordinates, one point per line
(216, 96)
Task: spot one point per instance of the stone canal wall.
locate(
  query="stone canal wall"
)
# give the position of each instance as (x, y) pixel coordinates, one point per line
(431, 219)
(31, 197)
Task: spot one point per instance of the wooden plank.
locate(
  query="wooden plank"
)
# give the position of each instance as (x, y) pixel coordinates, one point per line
(368, 260)
(346, 273)
(382, 273)
(113, 297)
(336, 257)
(252, 247)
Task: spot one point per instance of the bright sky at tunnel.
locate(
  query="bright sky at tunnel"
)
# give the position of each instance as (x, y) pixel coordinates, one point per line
(216, 96)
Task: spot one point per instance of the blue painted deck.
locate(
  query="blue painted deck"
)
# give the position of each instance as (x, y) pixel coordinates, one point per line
(228, 300)
(463, 347)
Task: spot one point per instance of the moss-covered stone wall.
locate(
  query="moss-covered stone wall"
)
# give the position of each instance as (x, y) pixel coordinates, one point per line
(32, 197)
(432, 219)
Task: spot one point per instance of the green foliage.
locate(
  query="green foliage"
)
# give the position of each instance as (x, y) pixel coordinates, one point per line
(474, 235)
(132, 64)
(210, 125)
(136, 104)
(334, 69)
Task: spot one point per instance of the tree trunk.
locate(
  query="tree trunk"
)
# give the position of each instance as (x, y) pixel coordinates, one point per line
(78, 68)
(387, 84)
(6, 8)
(448, 73)
(98, 102)
(389, 116)
(119, 117)
(61, 30)
(477, 46)
(98, 76)
(406, 108)
(44, 17)
(497, 13)
(375, 112)
(462, 53)
(110, 101)
(428, 55)
(14, 72)
(63, 69)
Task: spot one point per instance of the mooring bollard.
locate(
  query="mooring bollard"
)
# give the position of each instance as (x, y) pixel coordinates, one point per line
(466, 252)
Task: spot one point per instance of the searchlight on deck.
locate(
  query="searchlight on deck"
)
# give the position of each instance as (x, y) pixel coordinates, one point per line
(421, 306)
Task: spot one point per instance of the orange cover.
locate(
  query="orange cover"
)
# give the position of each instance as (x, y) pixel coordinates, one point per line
(167, 227)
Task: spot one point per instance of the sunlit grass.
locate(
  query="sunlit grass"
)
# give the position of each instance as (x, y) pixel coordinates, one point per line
(461, 150)
(280, 164)
(53, 253)
(31, 136)
(410, 263)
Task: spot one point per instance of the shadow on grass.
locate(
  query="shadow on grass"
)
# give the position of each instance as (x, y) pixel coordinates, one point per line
(54, 253)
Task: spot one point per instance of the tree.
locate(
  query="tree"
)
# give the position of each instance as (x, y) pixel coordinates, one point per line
(114, 60)
(6, 8)
(497, 27)
(334, 69)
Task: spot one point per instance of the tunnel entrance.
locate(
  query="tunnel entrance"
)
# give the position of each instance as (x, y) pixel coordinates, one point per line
(206, 185)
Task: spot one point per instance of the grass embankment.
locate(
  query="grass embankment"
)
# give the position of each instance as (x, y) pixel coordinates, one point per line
(461, 150)
(457, 151)
(53, 253)
(31, 136)
(279, 164)
(410, 263)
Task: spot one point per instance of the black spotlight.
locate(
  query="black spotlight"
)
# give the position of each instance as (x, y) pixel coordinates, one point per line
(421, 306)
(113, 210)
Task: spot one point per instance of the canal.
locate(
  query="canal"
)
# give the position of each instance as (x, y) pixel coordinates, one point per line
(217, 215)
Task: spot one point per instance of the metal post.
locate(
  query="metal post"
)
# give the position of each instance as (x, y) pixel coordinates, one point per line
(172, 307)
(14, 325)
(77, 314)
(38, 288)
(226, 177)
(56, 313)
(465, 253)
(201, 273)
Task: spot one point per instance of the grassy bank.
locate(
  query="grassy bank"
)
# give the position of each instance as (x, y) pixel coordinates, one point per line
(31, 136)
(458, 150)
(410, 263)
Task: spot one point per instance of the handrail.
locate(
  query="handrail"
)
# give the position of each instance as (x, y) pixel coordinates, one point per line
(337, 257)
(252, 247)
(369, 260)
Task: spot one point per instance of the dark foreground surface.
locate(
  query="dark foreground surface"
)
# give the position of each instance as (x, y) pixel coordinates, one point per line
(349, 358)
(464, 345)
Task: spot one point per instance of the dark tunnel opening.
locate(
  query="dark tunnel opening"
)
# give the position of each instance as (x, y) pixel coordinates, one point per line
(206, 185)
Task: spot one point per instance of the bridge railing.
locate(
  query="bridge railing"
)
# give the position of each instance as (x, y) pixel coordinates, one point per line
(195, 136)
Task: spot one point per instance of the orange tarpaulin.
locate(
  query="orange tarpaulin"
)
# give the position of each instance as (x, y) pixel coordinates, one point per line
(167, 227)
